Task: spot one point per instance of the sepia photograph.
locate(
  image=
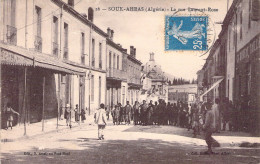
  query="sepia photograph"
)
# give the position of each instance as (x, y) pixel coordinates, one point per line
(130, 81)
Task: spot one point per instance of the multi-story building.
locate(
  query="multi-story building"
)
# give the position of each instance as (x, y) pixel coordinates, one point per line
(52, 58)
(116, 73)
(238, 60)
(134, 67)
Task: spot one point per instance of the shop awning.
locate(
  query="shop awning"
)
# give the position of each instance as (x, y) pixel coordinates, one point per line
(212, 87)
(13, 55)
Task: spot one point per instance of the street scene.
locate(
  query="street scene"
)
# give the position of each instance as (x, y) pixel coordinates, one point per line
(186, 90)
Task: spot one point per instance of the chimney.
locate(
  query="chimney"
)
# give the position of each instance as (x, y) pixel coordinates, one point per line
(151, 56)
(132, 50)
(112, 34)
(90, 14)
(119, 45)
(108, 32)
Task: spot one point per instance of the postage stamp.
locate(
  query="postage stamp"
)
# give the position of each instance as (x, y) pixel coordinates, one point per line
(186, 33)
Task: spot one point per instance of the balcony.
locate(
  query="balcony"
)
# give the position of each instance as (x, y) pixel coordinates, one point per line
(65, 53)
(116, 74)
(38, 43)
(11, 35)
(55, 48)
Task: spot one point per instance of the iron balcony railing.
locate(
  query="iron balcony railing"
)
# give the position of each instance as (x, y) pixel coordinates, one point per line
(38, 43)
(116, 73)
(55, 48)
(11, 35)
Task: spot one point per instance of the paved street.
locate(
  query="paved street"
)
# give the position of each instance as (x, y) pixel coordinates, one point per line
(122, 144)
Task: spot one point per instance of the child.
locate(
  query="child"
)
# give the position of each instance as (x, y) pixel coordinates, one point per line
(9, 113)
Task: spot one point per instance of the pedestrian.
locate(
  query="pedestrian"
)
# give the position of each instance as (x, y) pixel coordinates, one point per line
(76, 110)
(144, 107)
(149, 113)
(9, 114)
(215, 109)
(136, 113)
(68, 115)
(210, 127)
(100, 119)
(83, 117)
(128, 109)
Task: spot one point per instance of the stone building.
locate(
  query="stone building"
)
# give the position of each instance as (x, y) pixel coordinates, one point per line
(134, 67)
(50, 56)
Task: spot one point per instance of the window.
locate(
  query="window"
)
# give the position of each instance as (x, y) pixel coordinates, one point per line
(66, 33)
(110, 60)
(38, 12)
(123, 95)
(241, 24)
(11, 16)
(100, 55)
(92, 88)
(55, 36)
(249, 14)
(114, 61)
(93, 52)
(117, 61)
(99, 91)
(38, 39)
(82, 48)
(228, 89)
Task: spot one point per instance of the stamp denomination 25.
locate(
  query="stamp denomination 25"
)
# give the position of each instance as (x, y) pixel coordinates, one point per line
(186, 33)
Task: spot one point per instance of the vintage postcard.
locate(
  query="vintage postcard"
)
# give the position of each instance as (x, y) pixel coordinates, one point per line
(130, 81)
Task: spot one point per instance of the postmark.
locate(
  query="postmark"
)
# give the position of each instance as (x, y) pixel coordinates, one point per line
(186, 33)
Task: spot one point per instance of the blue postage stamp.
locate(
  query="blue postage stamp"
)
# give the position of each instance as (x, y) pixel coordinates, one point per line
(186, 33)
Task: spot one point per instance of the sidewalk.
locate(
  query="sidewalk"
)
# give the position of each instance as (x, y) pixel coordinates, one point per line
(35, 129)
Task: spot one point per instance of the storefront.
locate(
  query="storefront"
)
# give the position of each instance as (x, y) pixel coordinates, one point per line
(31, 83)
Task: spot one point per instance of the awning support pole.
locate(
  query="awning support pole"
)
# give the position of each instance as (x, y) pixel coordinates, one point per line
(43, 102)
(24, 99)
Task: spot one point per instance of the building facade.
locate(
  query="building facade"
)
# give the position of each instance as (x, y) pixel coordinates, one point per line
(134, 67)
(237, 61)
(53, 58)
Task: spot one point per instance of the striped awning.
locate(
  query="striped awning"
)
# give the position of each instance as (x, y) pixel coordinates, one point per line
(13, 55)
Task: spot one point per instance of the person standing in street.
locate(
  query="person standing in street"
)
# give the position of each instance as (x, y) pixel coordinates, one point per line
(136, 113)
(210, 126)
(76, 110)
(67, 114)
(83, 117)
(215, 109)
(100, 119)
(9, 113)
(128, 109)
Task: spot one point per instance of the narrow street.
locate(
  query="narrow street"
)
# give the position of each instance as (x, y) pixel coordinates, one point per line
(122, 144)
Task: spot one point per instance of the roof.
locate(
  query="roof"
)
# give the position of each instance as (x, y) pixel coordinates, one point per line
(188, 88)
(134, 59)
(14, 55)
(79, 16)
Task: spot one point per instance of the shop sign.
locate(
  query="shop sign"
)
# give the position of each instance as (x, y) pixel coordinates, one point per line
(249, 49)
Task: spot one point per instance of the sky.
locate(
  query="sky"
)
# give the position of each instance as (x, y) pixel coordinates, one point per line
(145, 30)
